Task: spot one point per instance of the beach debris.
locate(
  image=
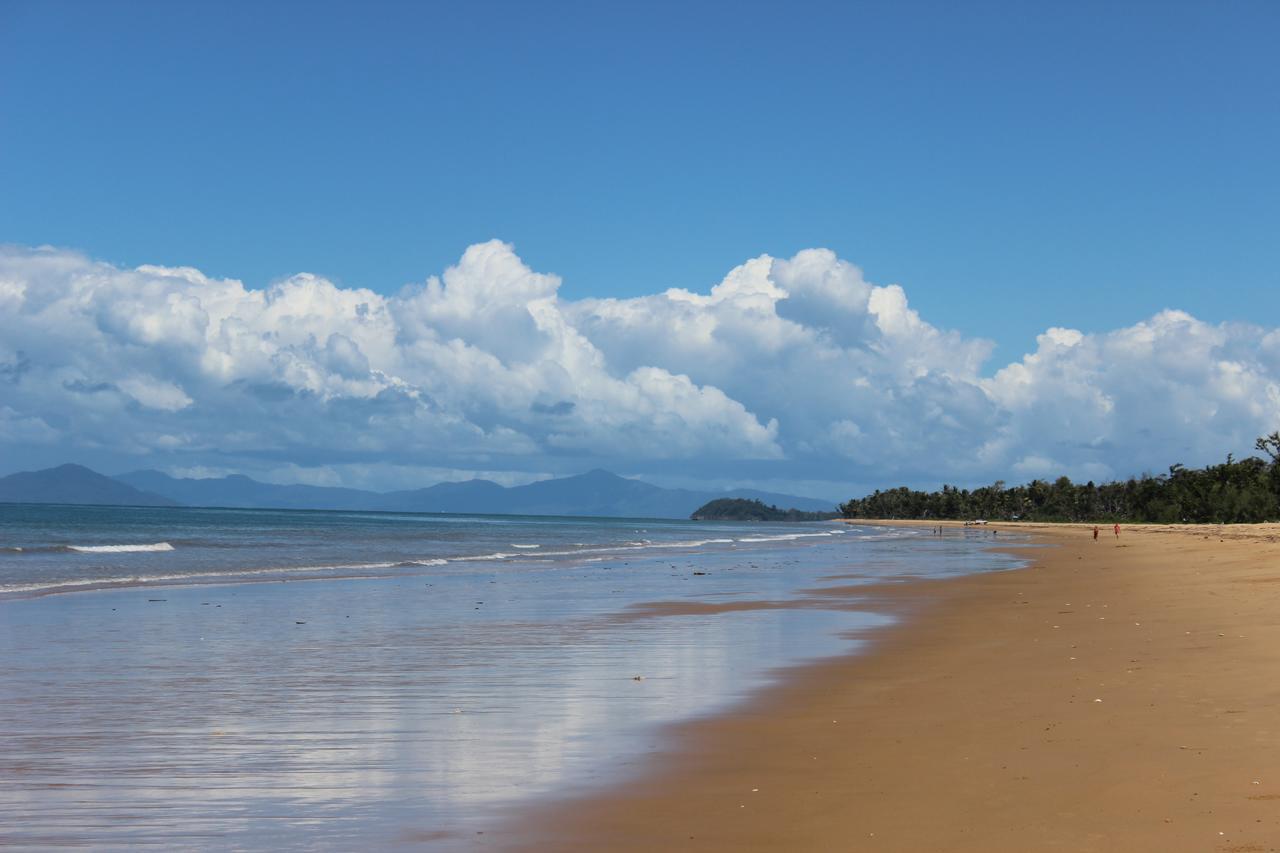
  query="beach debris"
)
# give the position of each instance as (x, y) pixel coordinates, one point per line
(1097, 700)
(755, 790)
(700, 573)
(165, 599)
(299, 623)
(637, 678)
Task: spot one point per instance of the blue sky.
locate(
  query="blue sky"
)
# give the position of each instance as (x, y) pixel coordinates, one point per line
(1014, 166)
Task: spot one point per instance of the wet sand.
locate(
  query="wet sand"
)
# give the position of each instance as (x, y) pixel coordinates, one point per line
(1118, 695)
(405, 712)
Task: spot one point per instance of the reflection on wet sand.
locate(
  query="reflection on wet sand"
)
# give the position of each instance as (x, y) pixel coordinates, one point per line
(330, 713)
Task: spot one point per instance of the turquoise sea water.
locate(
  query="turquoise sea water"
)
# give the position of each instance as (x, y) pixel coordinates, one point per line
(196, 679)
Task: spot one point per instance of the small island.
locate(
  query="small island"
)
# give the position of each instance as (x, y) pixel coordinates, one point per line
(742, 509)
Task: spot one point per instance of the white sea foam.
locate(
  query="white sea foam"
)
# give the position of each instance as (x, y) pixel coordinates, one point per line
(786, 537)
(228, 576)
(518, 545)
(120, 549)
(690, 543)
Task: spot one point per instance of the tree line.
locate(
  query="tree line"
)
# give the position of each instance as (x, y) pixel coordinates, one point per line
(1233, 492)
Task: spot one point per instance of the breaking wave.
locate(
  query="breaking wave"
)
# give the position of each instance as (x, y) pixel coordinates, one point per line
(119, 549)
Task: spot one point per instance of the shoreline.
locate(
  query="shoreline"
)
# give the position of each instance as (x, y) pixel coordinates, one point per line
(1113, 695)
(413, 710)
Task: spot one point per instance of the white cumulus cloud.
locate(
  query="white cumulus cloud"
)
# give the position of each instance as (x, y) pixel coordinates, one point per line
(788, 370)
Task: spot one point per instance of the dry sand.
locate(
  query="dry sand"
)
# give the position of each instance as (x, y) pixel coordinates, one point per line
(1122, 695)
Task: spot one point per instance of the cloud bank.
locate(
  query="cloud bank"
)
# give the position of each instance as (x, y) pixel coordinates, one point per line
(788, 371)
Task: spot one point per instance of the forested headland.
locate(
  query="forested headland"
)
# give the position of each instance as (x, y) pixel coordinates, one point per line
(1233, 492)
(743, 509)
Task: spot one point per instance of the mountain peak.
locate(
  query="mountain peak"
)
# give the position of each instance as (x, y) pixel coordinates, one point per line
(70, 468)
(74, 484)
(597, 474)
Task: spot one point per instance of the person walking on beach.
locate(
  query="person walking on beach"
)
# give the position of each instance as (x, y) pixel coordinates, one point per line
(1095, 533)
(1117, 530)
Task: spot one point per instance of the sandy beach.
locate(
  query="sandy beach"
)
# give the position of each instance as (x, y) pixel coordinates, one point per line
(1117, 695)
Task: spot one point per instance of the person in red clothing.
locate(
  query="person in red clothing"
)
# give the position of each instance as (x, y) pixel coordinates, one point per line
(1095, 533)
(1117, 530)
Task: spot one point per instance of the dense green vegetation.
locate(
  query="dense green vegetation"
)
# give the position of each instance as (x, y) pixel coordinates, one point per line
(741, 509)
(1236, 491)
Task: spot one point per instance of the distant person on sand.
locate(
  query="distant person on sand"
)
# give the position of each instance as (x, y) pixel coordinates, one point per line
(1095, 533)
(1117, 530)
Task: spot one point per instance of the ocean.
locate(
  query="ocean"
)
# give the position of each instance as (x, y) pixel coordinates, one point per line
(196, 678)
(53, 548)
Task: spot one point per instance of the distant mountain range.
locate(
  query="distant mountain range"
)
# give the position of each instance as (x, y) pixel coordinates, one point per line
(598, 493)
(74, 484)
